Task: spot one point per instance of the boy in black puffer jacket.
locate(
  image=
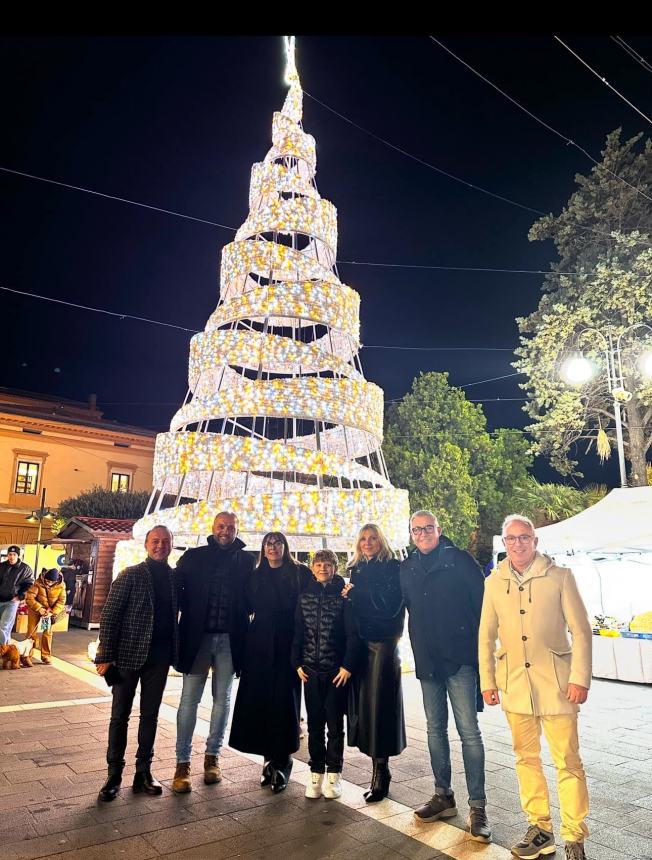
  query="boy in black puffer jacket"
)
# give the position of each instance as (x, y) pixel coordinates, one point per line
(323, 653)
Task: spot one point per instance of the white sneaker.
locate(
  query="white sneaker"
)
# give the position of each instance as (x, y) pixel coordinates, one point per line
(313, 789)
(333, 787)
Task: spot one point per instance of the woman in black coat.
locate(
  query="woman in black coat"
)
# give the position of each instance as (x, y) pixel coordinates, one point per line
(267, 707)
(375, 721)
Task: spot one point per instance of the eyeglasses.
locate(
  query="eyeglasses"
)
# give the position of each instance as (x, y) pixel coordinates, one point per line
(422, 530)
(510, 540)
(274, 542)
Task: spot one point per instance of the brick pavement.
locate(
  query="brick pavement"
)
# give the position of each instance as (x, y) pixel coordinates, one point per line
(53, 723)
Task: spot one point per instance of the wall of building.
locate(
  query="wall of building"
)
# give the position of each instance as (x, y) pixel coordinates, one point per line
(71, 462)
(75, 448)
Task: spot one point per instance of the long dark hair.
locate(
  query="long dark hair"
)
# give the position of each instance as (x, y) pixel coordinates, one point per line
(288, 559)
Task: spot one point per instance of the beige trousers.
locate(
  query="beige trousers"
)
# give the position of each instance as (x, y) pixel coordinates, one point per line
(561, 733)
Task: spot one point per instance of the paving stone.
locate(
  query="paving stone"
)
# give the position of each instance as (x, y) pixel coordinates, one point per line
(15, 829)
(367, 831)
(595, 851)
(625, 841)
(642, 824)
(88, 764)
(194, 833)
(270, 815)
(310, 847)
(22, 796)
(67, 806)
(134, 848)
(376, 851)
(408, 795)
(63, 823)
(135, 825)
(407, 847)
(42, 846)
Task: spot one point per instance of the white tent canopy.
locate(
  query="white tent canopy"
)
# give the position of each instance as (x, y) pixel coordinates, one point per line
(620, 522)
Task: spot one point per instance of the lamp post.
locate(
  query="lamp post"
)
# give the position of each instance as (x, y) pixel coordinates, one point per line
(39, 515)
(579, 370)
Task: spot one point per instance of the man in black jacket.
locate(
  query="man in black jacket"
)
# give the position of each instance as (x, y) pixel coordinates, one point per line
(443, 588)
(138, 642)
(324, 653)
(15, 578)
(212, 629)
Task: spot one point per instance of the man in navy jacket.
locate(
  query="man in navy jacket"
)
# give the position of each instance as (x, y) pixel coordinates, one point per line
(443, 587)
(210, 582)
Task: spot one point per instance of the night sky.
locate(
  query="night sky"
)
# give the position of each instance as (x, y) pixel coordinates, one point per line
(176, 122)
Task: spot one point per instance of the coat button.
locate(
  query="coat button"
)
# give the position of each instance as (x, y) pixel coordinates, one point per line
(524, 638)
(522, 611)
(527, 665)
(520, 588)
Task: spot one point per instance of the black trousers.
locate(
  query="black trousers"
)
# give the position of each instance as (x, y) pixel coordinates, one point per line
(152, 677)
(325, 704)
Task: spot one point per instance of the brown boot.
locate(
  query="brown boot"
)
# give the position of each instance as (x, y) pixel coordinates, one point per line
(212, 770)
(181, 782)
(26, 662)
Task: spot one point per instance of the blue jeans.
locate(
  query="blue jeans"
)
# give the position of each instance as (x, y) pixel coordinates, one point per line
(8, 609)
(214, 653)
(461, 689)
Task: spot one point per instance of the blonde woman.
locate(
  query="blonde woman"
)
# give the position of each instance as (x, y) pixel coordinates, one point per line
(375, 721)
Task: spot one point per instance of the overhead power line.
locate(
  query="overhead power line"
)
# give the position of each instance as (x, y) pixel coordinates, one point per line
(97, 310)
(567, 140)
(605, 82)
(422, 161)
(118, 199)
(632, 53)
(124, 316)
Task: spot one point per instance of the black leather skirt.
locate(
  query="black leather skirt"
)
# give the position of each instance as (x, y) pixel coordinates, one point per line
(375, 721)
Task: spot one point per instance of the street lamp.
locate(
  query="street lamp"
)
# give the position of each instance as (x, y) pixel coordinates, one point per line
(39, 515)
(578, 370)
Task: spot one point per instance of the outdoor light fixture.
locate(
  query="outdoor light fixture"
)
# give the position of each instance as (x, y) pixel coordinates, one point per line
(645, 364)
(578, 370)
(38, 516)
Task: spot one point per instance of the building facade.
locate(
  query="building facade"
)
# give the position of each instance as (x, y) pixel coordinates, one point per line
(65, 447)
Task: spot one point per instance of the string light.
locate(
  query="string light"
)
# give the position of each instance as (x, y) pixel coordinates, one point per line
(303, 516)
(355, 403)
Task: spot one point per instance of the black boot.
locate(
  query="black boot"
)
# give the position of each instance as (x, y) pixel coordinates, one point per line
(111, 787)
(267, 774)
(281, 777)
(144, 783)
(379, 782)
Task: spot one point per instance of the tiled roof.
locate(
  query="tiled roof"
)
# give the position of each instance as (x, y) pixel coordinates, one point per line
(101, 525)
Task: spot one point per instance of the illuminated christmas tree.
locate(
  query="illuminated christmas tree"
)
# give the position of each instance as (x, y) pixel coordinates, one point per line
(279, 424)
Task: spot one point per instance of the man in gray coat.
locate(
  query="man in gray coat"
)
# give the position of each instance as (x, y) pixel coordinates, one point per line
(530, 604)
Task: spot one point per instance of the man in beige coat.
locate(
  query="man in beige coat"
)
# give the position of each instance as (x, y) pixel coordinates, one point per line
(530, 604)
